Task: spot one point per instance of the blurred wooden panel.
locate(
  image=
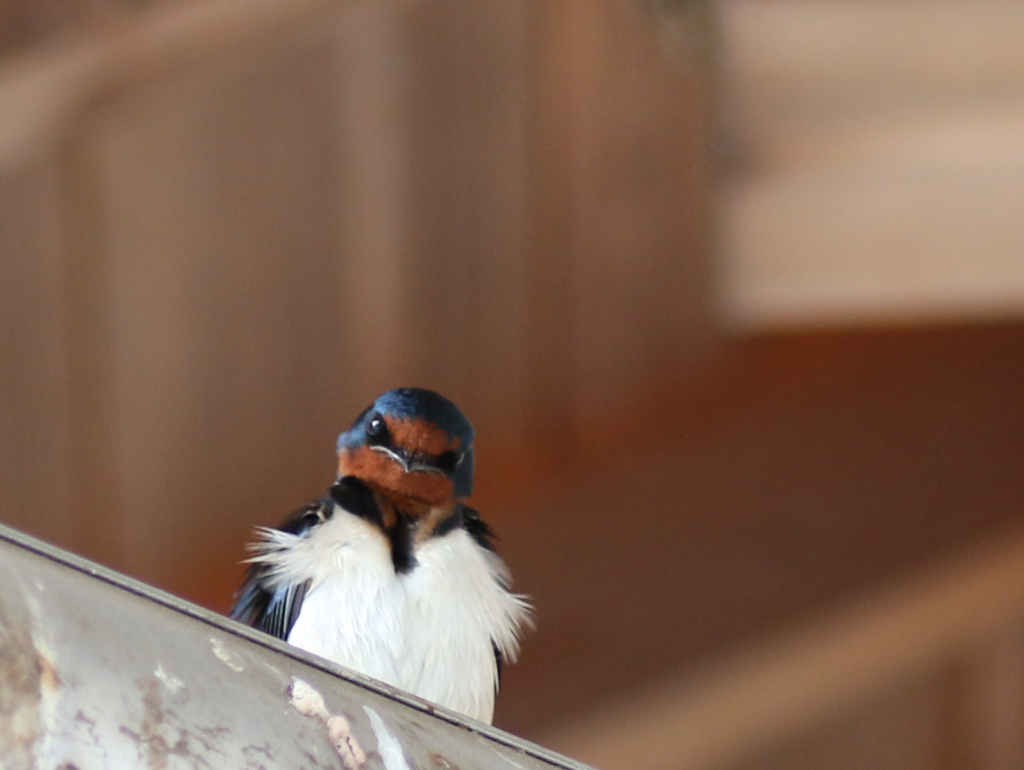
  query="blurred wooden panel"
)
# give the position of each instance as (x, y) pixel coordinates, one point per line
(464, 103)
(218, 191)
(640, 210)
(622, 213)
(907, 729)
(880, 159)
(988, 702)
(371, 60)
(37, 484)
(796, 472)
(922, 674)
(277, 210)
(243, 220)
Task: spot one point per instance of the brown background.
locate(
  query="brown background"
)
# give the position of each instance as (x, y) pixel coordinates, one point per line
(231, 236)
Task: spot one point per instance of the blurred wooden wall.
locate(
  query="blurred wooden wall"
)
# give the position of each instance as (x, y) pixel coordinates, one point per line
(225, 226)
(924, 673)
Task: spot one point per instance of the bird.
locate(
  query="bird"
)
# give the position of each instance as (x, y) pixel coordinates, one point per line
(391, 573)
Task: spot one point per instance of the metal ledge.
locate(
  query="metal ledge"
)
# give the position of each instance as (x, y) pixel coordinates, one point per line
(101, 671)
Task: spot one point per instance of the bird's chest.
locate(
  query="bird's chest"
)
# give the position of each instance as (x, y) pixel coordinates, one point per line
(427, 630)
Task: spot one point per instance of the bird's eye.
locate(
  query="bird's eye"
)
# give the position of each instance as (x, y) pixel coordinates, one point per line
(449, 461)
(377, 429)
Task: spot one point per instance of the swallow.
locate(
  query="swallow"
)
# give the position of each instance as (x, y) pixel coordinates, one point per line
(391, 573)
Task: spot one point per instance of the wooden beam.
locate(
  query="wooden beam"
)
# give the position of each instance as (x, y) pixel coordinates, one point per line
(788, 687)
(43, 89)
(880, 162)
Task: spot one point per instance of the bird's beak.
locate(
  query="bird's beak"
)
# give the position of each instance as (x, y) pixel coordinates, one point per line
(411, 462)
(424, 467)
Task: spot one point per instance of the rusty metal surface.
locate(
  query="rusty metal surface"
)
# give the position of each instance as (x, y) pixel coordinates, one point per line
(99, 671)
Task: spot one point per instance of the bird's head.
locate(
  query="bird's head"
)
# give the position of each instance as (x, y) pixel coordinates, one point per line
(411, 443)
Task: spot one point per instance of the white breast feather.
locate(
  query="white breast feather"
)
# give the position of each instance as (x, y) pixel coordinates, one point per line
(455, 605)
(428, 631)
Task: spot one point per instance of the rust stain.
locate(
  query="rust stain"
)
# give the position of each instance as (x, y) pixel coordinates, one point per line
(152, 720)
(156, 721)
(21, 671)
(436, 760)
(148, 738)
(49, 677)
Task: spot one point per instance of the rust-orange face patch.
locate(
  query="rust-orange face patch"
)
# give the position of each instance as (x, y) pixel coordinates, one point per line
(386, 475)
(420, 437)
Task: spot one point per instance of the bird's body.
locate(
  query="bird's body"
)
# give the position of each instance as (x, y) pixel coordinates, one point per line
(391, 574)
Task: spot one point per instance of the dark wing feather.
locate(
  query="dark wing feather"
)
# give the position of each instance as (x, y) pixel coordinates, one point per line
(283, 610)
(478, 528)
(275, 608)
(500, 660)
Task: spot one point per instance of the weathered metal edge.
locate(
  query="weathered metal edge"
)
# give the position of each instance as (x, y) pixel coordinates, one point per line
(225, 624)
